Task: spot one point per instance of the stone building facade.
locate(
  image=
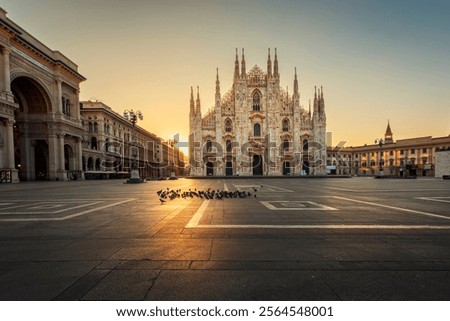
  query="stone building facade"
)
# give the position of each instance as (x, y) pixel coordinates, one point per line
(109, 147)
(46, 134)
(257, 128)
(403, 157)
(443, 163)
(40, 125)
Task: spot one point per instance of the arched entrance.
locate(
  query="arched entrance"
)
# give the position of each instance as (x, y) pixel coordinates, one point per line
(31, 144)
(229, 169)
(286, 168)
(257, 165)
(41, 160)
(209, 169)
(305, 167)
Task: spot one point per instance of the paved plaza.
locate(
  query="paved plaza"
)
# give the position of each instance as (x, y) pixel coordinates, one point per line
(298, 239)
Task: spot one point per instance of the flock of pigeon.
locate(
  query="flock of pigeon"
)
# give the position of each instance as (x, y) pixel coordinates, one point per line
(209, 194)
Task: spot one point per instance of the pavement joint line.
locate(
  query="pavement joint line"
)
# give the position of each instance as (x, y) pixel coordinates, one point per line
(225, 187)
(68, 216)
(393, 207)
(158, 226)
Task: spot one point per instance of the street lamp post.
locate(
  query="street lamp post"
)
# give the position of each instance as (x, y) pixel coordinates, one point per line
(133, 117)
(380, 142)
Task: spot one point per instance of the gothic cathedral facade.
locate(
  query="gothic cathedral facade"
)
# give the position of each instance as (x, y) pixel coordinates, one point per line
(257, 128)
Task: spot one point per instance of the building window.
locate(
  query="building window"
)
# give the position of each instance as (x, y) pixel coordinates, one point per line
(94, 143)
(228, 146)
(372, 163)
(391, 153)
(208, 146)
(424, 150)
(257, 129)
(402, 152)
(286, 145)
(305, 144)
(228, 125)
(256, 101)
(65, 106)
(285, 125)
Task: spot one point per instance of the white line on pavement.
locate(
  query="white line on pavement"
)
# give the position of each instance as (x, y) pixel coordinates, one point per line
(393, 207)
(198, 215)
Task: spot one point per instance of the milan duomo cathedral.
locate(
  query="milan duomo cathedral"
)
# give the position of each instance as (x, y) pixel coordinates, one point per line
(257, 128)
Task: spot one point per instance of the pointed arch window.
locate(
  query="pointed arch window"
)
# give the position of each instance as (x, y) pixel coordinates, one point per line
(285, 125)
(256, 101)
(228, 146)
(285, 145)
(228, 125)
(208, 146)
(257, 129)
(305, 144)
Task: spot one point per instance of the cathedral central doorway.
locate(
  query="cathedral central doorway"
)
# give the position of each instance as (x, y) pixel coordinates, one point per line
(209, 169)
(257, 165)
(286, 168)
(305, 167)
(229, 169)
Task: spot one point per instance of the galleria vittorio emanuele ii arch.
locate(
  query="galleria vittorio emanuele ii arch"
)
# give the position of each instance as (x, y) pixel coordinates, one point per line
(40, 125)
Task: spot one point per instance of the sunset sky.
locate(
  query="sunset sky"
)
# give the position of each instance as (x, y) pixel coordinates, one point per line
(376, 60)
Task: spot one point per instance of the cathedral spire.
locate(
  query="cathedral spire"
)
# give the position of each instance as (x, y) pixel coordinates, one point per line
(269, 65)
(315, 103)
(236, 66)
(243, 72)
(197, 102)
(192, 110)
(217, 82)
(295, 83)
(217, 88)
(388, 136)
(275, 65)
(321, 102)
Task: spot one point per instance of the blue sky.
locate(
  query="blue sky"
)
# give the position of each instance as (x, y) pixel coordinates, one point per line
(377, 60)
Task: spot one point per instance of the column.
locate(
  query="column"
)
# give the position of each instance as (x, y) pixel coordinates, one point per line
(78, 154)
(5, 84)
(52, 156)
(10, 143)
(59, 95)
(10, 150)
(61, 167)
